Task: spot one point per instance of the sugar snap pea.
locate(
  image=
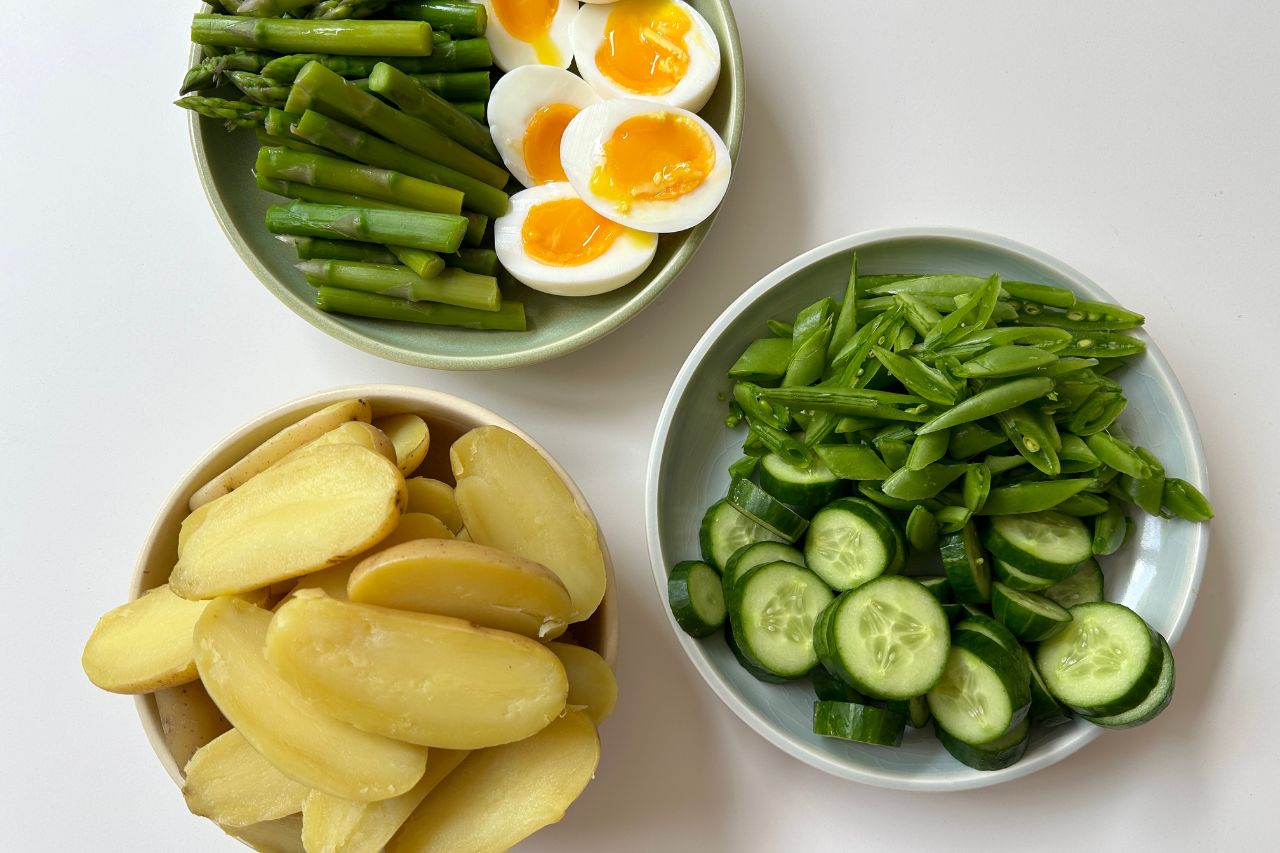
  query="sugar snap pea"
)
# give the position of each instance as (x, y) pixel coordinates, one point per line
(1109, 529)
(809, 339)
(1119, 454)
(991, 401)
(748, 398)
(921, 529)
(927, 449)
(1044, 294)
(970, 315)
(977, 486)
(1147, 493)
(1064, 366)
(1083, 316)
(852, 461)
(744, 467)
(871, 490)
(855, 424)
(916, 376)
(1097, 413)
(880, 331)
(968, 440)
(1006, 361)
(846, 321)
(906, 484)
(1186, 501)
(931, 285)
(916, 312)
(779, 329)
(998, 465)
(1084, 504)
(1103, 345)
(879, 404)
(1045, 337)
(764, 361)
(1032, 496)
(1030, 439)
(951, 518)
(782, 443)
(894, 451)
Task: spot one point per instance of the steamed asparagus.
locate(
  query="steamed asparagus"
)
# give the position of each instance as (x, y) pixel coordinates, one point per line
(449, 287)
(235, 113)
(344, 176)
(285, 35)
(458, 19)
(450, 56)
(438, 232)
(510, 317)
(420, 102)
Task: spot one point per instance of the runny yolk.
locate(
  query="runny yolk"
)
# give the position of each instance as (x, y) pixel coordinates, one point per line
(542, 142)
(644, 48)
(530, 22)
(656, 156)
(567, 233)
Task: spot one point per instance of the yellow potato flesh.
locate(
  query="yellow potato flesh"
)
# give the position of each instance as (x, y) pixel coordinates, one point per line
(230, 783)
(411, 438)
(279, 446)
(500, 796)
(188, 719)
(435, 498)
(366, 435)
(468, 581)
(144, 645)
(510, 498)
(305, 514)
(424, 679)
(592, 685)
(273, 836)
(332, 825)
(283, 725)
(412, 525)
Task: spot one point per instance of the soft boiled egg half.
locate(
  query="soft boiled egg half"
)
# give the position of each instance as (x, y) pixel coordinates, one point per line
(659, 50)
(530, 32)
(553, 242)
(647, 166)
(529, 109)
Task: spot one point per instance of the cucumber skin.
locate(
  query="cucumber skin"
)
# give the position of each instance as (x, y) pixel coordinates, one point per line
(766, 510)
(877, 517)
(681, 601)
(704, 534)
(969, 584)
(1002, 549)
(729, 576)
(1137, 692)
(1060, 591)
(1026, 625)
(744, 648)
(753, 669)
(1016, 681)
(1045, 710)
(809, 494)
(915, 710)
(831, 689)
(1147, 710)
(986, 759)
(1022, 581)
(858, 723)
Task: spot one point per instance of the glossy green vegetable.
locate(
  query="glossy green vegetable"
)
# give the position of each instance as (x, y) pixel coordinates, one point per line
(991, 400)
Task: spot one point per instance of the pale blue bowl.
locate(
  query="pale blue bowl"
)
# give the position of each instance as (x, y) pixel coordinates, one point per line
(1157, 573)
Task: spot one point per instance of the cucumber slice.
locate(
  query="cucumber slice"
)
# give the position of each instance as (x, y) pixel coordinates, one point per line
(988, 626)
(915, 709)
(756, 671)
(1029, 616)
(850, 542)
(1015, 578)
(829, 688)
(971, 701)
(1157, 700)
(1084, 587)
(1045, 544)
(815, 485)
(767, 511)
(888, 638)
(861, 723)
(774, 608)
(696, 598)
(1104, 663)
(1045, 710)
(724, 530)
(756, 554)
(939, 587)
(981, 639)
(1004, 751)
(966, 564)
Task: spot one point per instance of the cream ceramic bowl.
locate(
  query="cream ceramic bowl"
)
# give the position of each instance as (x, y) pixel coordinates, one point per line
(448, 418)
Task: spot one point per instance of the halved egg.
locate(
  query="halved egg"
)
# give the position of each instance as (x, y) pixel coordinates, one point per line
(551, 241)
(647, 166)
(528, 112)
(530, 32)
(658, 50)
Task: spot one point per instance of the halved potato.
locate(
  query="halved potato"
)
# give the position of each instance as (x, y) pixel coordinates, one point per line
(331, 825)
(144, 645)
(424, 679)
(188, 719)
(511, 499)
(361, 433)
(303, 742)
(468, 581)
(273, 836)
(500, 796)
(279, 446)
(309, 512)
(411, 437)
(592, 685)
(230, 783)
(434, 497)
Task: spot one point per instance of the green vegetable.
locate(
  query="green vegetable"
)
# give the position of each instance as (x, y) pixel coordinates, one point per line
(455, 18)
(1185, 500)
(284, 35)
(510, 317)
(338, 10)
(451, 287)
(991, 400)
(310, 248)
(234, 113)
(438, 232)
(420, 102)
(345, 176)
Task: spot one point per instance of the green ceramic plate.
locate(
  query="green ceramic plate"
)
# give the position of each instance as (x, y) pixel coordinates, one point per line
(557, 325)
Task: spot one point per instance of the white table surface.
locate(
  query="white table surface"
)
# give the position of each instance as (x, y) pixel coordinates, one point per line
(1135, 141)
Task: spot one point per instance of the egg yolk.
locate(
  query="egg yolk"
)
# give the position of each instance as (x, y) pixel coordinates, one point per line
(530, 21)
(644, 48)
(542, 142)
(653, 157)
(567, 233)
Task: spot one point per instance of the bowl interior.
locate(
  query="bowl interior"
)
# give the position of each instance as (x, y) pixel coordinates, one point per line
(1156, 574)
(557, 325)
(448, 418)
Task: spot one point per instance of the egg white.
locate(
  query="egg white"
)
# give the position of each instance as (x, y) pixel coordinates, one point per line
(620, 264)
(517, 96)
(691, 92)
(510, 52)
(582, 149)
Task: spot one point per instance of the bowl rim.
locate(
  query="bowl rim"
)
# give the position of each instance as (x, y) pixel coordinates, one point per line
(964, 778)
(693, 240)
(199, 473)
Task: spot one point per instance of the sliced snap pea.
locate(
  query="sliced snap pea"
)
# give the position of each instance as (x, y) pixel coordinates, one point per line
(1103, 345)
(763, 362)
(1147, 493)
(809, 339)
(1030, 440)
(779, 329)
(1075, 450)
(883, 405)
(1098, 412)
(931, 285)
(744, 467)
(905, 484)
(1033, 496)
(853, 461)
(1045, 337)
(878, 332)
(970, 315)
(922, 529)
(894, 451)
(1048, 426)
(1109, 529)
(1003, 464)
(1084, 504)
(782, 443)
(906, 337)
(1119, 454)
(1005, 361)
(846, 322)
(968, 440)
(871, 490)
(927, 449)
(1045, 294)
(1083, 316)
(747, 396)
(951, 518)
(917, 377)
(919, 315)
(1064, 366)
(977, 485)
(1186, 501)
(855, 424)
(990, 401)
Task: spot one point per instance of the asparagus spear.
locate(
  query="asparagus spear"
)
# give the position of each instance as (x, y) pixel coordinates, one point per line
(479, 261)
(366, 148)
(420, 102)
(341, 250)
(258, 88)
(510, 317)
(424, 264)
(267, 139)
(284, 35)
(449, 56)
(263, 8)
(476, 225)
(475, 109)
(235, 113)
(319, 195)
(453, 86)
(208, 72)
(457, 19)
(438, 232)
(337, 10)
(450, 287)
(331, 173)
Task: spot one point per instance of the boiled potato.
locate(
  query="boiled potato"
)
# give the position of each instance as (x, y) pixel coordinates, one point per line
(188, 719)
(435, 498)
(230, 783)
(511, 499)
(279, 446)
(412, 525)
(191, 524)
(309, 512)
(361, 433)
(411, 438)
(468, 581)
(331, 825)
(420, 678)
(144, 645)
(273, 836)
(500, 796)
(282, 724)
(462, 535)
(592, 685)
